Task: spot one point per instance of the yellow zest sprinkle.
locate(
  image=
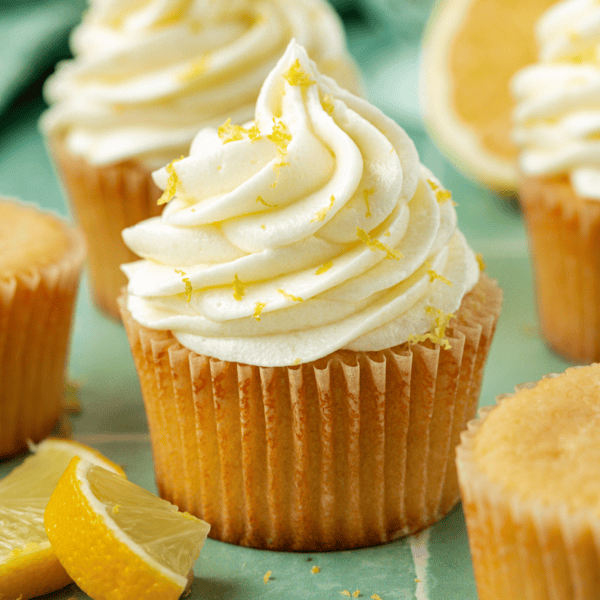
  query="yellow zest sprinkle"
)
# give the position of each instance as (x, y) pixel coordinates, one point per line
(172, 183)
(479, 258)
(296, 76)
(433, 275)
(297, 361)
(377, 245)
(375, 597)
(289, 296)
(356, 593)
(324, 267)
(267, 576)
(239, 289)
(315, 569)
(263, 226)
(418, 580)
(279, 136)
(327, 104)
(254, 132)
(387, 233)
(321, 214)
(115, 509)
(230, 133)
(345, 593)
(442, 195)
(188, 284)
(433, 185)
(260, 199)
(197, 68)
(366, 194)
(258, 308)
(439, 333)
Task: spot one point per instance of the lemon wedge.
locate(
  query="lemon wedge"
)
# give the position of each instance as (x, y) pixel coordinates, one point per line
(471, 50)
(28, 565)
(117, 540)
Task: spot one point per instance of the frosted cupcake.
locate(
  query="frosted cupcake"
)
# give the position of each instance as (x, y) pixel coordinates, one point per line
(309, 326)
(529, 473)
(557, 126)
(146, 77)
(40, 263)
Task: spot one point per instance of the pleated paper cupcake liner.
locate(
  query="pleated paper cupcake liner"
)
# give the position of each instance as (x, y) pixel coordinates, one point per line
(351, 450)
(36, 310)
(564, 240)
(521, 548)
(106, 200)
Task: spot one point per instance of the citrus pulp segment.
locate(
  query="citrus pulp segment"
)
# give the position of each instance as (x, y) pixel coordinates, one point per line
(117, 540)
(471, 50)
(28, 566)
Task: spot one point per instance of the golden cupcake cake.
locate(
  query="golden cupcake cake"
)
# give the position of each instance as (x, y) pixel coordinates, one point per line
(557, 127)
(146, 77)
(309, 325)
(40, 263)
(529, 471)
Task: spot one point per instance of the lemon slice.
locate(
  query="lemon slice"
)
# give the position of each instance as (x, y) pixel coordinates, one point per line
(28, 566)
(117, 540)
(471, 50)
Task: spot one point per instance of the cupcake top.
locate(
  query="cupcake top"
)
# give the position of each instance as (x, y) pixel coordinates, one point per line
(310, 229)
(29, 239)
(149, 74)
(557, 118)
(543, 442)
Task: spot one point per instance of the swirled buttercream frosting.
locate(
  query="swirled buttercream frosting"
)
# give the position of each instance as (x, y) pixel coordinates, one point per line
(310, 229)
(149, 74)
(557, 116)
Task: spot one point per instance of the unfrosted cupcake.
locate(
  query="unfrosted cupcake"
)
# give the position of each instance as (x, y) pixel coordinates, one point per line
(309, 326)
(146, 77)
(529, 472)
(557, 126)
(40, 263)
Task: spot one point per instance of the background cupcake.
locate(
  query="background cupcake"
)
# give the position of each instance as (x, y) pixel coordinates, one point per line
(40, 262)
(293, 324)
(557, 126)
(529, 475)
(146, 77)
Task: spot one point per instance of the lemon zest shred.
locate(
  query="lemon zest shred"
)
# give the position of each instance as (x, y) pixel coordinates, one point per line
(438, 335)
(315, 569)
(324, 267)
(267, 576)
(321, 214)
(356, 593)
(280, 136)
(115, 509)
(297, 361)
(366, 194)
(433, 275)
(172, 183)
(239, 288)
(258, 308)
(375, 597)
(260, 199)
(188, 284)
(327, 104)
(345, 593)
(433, 185)
(254, 132)
(480, 262)
(197, 68)
(289, 296)
(377, 245)
(230, 133)
(442, 195)
(296, 76)
(387, 233)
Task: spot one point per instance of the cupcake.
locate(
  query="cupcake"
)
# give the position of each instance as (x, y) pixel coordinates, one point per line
(529, 472)
(40, 263)
(557, 127)
(308, 324)
(146, 77)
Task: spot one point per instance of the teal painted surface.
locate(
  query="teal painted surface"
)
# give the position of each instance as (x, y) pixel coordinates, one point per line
(113, 419)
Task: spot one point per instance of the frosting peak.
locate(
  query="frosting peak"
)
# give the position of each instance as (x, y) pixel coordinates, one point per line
(310, 229)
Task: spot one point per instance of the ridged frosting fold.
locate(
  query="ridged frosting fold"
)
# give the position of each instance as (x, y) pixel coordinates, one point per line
(149, 74)
(310, 229)
(557, 118)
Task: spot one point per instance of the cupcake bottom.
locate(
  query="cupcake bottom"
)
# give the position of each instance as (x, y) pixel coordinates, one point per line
(351, 450)
(521, 548)
(564, 239)
(106, 200)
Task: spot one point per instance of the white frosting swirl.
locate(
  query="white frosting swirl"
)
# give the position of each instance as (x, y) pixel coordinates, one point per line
(323, 233)
(149, 74)
(557, 119)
